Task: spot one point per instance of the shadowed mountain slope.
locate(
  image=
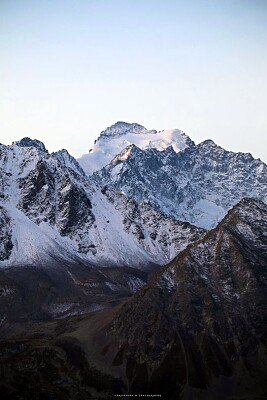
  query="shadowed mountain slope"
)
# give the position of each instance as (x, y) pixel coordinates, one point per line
(197, 330)
(201, 324)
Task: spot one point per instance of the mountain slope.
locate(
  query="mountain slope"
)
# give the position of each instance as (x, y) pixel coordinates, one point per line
(58, 231)
(53, 210)
(199, 328)
(198, 184)
(118, 136)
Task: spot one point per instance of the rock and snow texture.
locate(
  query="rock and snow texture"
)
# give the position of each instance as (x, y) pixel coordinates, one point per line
(198, 184)
(204, 314)
(225, 270)
(161, 236)
(117, 137)
(50, 210)
(5, 235)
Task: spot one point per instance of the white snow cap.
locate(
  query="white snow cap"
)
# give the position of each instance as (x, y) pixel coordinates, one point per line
(122, 134)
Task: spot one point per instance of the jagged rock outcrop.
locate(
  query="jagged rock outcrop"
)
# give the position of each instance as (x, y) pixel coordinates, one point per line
(57, 211)
(58, 230)
(159, 233)
(198, 184)
(28, 142)
(5, 235)
(122, 128)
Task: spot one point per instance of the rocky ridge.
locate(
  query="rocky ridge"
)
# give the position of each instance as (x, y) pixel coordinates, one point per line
(58, 230)
(197, 184)
(202, 320)
(120, 135)
(54, 208)
(46, 257)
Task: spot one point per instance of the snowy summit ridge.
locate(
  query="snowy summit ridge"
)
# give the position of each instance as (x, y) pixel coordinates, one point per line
(122, 128)
(197, 183)
(117, 137)
(28, 142)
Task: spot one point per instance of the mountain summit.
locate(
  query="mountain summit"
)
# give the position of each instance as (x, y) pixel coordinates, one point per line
(198, 184)
(117, 137)
(28, 142)
(122, 128)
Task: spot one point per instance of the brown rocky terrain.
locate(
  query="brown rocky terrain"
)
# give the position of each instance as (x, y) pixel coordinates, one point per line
(197, 330)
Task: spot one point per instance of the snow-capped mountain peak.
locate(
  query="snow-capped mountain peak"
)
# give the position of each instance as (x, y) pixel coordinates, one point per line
(119, 136)
(122, 128)
(49, 207)
(197, 185)
(64, 157)
(28, 142)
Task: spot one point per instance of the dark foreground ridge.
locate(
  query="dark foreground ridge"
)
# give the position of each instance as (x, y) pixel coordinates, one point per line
(197, 330)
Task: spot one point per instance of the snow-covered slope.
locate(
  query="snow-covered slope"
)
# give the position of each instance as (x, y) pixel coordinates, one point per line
(50, 210)
(198, 184)
(117, 137)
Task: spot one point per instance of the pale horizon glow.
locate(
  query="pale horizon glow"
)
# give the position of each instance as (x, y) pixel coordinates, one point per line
(69, 69)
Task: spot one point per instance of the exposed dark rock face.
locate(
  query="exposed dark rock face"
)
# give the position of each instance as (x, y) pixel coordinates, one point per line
(50, 194)
(38, 193)
(203, 318)
(5, 235)
(74, 208)
(28, 142)
(198, 184)
(122, 128)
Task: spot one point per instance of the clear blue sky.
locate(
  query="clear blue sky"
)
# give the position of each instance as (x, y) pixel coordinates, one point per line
(69, 69)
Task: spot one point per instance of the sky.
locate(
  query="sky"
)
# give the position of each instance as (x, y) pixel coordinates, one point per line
(70, 68)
